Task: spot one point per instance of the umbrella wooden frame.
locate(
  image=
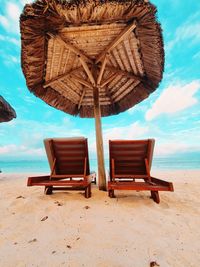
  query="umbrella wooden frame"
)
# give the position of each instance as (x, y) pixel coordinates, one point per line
(122, 72)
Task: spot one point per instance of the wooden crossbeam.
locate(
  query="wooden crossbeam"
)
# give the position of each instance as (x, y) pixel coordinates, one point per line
(60, 77)
(70, 47)
(117, 40)
(87, 70)
(81, 99)
(81, 81)
(103, 65)
(109, 79)
(125, 73)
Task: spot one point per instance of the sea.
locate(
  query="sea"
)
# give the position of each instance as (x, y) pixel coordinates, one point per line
(188, 161)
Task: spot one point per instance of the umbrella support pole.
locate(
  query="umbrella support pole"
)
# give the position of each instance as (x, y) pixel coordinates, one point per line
(99, 141)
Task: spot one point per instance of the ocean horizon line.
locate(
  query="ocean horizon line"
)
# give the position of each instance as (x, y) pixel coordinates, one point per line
(42, 166)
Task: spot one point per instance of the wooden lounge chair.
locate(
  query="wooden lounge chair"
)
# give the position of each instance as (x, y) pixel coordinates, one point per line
(131, 160)
(69, 163)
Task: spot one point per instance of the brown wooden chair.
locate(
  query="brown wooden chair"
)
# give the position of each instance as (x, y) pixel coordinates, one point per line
(69, 164)
(130, 163)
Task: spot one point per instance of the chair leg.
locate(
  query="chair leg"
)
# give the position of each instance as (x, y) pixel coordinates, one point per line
(88, 191)
(48, 190)
(155, 196)
(111, 193)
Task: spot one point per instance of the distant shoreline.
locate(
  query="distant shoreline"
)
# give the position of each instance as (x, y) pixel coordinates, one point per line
(42, 166)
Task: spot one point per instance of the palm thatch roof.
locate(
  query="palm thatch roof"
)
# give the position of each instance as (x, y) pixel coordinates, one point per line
(7, 113)
(71, 47)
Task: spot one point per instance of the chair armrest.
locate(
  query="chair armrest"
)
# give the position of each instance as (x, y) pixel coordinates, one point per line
(37, 179)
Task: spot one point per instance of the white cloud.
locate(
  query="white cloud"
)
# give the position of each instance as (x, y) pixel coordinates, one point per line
(10, 20)
(21, 151)
(187, 31)
(29, 135)
(4, 22)
(10, 60)
(13, 11)
(173, 147)
(11, 40)
(190, 31)
(132, 131)
(173, 99)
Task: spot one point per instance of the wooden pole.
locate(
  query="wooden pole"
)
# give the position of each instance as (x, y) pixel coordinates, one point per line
(99, 138)
(99, 141)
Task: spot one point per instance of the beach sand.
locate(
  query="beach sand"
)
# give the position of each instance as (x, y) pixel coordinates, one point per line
(65, 229)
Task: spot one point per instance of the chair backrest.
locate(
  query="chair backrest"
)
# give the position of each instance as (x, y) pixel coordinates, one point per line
(129, 157)
(70, 155)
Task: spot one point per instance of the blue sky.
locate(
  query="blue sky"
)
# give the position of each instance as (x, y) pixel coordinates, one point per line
(171, 115)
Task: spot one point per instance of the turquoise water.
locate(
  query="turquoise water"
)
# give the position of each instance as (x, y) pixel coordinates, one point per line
(189, 161)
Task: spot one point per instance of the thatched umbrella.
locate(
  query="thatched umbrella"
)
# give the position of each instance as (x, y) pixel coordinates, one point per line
(7, 113)
(92, 58)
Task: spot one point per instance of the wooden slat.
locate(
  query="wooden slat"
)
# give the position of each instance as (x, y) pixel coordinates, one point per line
(71, 157)
(134, 166)
(72, 165)
(126, 90)
(124, 57)
(110, 97)
(52, 60)
(119, 61)
(125, 73)
(136, 54)
(109, 79)
(126, 85)
(70, 90)
(117, 40)
(114, 83)
(73, 84)
(120, 159)
(128, 142)
(66, 60)
(66, 44)
(129, 174)
(113, 60)
(130, 56)
(130, 164)
(130, 149)
(81, 99)
(60, 77)
(67, 154)
(70, 142)
(70, 150)
(60, 60)
(81, 81)
(103, 65)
